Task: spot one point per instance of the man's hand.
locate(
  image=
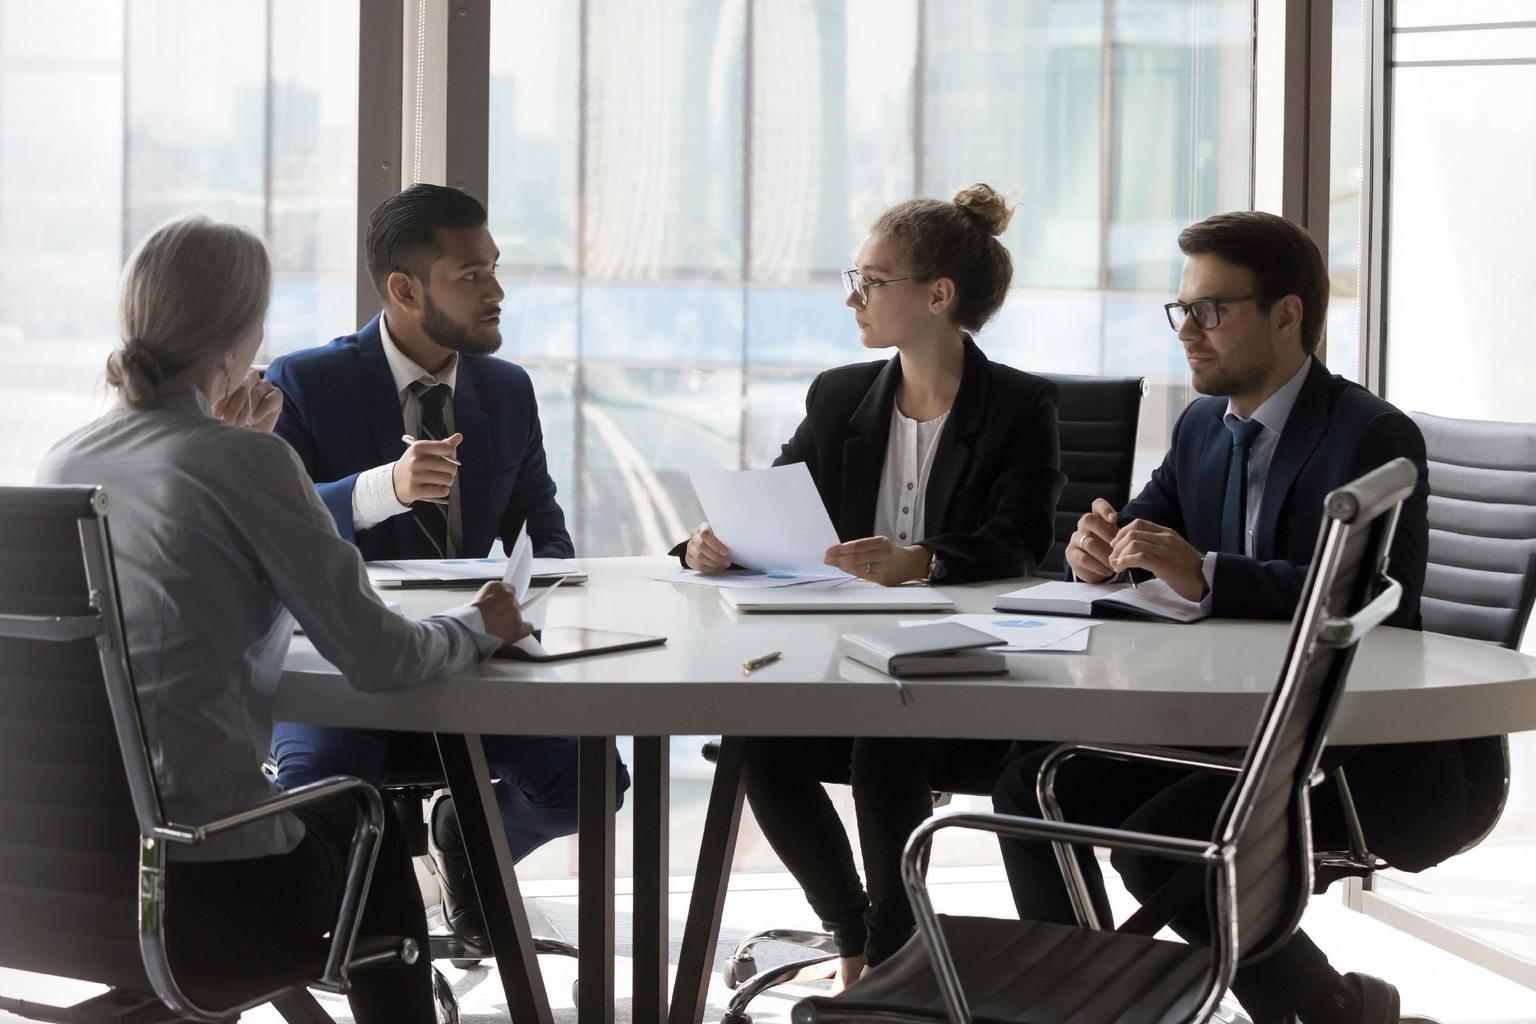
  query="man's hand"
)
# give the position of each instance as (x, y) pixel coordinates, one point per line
(1163, 553)
(497, 603)
(253, 404)
(880, 561)
(1088, 550)
(706, 553)
(424, 473)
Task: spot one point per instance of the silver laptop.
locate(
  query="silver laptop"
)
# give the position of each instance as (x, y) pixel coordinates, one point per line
(852, 597)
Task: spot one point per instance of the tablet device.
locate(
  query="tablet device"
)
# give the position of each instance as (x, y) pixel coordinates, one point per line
(561, 642)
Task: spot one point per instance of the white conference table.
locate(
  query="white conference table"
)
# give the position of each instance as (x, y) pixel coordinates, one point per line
(1138, 682)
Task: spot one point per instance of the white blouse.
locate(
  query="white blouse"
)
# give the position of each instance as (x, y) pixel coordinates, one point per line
(904, 479)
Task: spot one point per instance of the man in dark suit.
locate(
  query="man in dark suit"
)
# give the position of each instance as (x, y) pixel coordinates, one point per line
(1229, 520)
(475, 473)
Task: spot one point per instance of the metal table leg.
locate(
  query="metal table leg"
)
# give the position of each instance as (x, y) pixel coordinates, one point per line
(594, 886)
(702, 929)
(651, 795)
(485, 842)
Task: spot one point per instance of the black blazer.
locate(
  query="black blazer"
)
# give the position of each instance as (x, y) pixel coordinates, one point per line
(996, 474)
(1337, 431)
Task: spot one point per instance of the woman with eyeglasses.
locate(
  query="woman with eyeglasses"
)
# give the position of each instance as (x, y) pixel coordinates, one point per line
(936, 465)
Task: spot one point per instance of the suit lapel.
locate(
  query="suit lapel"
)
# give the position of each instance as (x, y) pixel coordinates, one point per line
(1304, 428)
(869, 431)
(1214, 462)
(470, 420)
(956, 440)
(386, 425)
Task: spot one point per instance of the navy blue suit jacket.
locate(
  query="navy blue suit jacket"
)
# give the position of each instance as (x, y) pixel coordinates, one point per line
(1337, 431)
(341, 413)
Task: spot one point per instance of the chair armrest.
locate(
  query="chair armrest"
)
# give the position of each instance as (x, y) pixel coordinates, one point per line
(290, 800)
(363, 851)
(1078, 887)
(943, 962)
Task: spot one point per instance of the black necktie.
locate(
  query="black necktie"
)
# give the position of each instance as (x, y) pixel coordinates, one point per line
(431, 517)
(1234, 510)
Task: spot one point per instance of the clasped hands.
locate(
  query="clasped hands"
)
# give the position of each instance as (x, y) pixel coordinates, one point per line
(877, 559)
(253, 404)
(1101, 547)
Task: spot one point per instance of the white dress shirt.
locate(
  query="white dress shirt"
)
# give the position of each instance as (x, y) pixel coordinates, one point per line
(1272, 415)
(221, 542)
(373, 496)
(904, 478)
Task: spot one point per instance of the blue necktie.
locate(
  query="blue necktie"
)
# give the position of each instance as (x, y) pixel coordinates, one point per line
(1234, 510)
(431, 517)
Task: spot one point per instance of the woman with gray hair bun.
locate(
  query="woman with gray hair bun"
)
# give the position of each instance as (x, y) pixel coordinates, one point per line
(221, 543)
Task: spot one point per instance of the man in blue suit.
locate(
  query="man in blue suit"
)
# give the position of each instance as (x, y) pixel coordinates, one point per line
(1230, 519)
(475, 473)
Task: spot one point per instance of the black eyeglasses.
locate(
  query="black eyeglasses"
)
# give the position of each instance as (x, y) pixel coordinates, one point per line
(856, 284)
(1207, 312)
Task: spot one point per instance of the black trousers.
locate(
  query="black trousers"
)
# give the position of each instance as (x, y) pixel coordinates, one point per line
(1169, 801)
(226, 919)
(893, 782)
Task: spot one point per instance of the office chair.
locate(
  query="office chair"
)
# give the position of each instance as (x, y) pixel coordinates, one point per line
(1480, 584)
(1098, 417)
(1256, 866)
(409, 788)
(85, 839)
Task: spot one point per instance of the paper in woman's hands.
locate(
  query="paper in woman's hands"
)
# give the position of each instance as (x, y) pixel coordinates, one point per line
(771, 520)
(519, 576)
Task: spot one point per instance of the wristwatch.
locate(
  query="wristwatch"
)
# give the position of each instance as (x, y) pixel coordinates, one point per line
(937, 570)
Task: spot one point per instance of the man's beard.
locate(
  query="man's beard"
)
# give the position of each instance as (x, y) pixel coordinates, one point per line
(451, 334)
(1232, 382)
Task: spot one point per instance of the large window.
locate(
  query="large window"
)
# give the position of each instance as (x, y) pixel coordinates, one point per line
(1457, 336)
(116, 115)
(674, 187)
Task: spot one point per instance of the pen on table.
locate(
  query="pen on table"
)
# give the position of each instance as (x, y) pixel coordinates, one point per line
(752, 664)
(408, 439)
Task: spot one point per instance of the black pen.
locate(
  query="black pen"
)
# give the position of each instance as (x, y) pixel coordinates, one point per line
(752, 664)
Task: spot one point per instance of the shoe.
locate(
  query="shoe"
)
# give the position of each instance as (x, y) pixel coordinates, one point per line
(461, 903)
(1379, 1003)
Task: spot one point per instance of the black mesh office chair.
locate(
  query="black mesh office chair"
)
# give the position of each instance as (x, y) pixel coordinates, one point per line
(1480, 583)
(1256, 864)
(83, 833)
(1098, 418)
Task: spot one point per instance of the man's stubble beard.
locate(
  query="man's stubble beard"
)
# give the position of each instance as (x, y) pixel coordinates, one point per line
(450, 334)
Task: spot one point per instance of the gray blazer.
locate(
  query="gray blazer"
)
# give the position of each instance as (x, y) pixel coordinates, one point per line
(221, 543)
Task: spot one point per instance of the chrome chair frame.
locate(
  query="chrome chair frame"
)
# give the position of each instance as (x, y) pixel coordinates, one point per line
(157, 833)
(1314, 631)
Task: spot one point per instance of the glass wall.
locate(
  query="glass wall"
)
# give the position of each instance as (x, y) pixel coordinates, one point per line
(115, 116)
(1457, 336)
(1348, 142)
(675, 186)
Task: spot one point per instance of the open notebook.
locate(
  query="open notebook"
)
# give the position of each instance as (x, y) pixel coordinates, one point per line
(1153, 599)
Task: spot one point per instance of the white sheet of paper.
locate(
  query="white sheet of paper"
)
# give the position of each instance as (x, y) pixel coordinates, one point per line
(770, 519)
(519, 571)
(1023, 632)
(410, 569)
(750, 580)
(436, 569)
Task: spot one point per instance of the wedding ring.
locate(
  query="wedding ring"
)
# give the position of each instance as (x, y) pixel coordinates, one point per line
(869, 568)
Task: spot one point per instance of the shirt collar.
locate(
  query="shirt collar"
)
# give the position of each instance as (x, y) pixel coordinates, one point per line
(1276, 409)
(404, 369)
